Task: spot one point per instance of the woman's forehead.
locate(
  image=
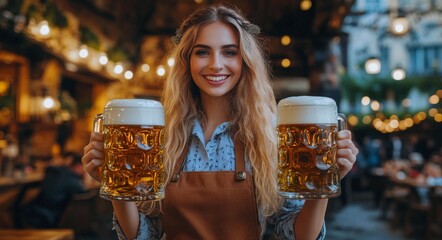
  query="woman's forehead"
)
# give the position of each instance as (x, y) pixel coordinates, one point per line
(217, 32)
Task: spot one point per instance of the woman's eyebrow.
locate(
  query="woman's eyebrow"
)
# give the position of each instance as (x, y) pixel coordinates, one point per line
(208, 47)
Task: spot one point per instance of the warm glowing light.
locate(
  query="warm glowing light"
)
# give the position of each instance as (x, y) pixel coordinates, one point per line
(285, 40)
(367, 120)
(373, 66)
(161, 71)
(353, 120)
(400, 25)
(145, 67)
(438, 117)
(394, 117)
(375, 105)
(48, 102)
(394, 123)
(432, 112)
(103, 60)
(434, 99)
(170, 62)
(409, 122)
(199, 1)
(306, 5)
(118, 69)
(83, 52)
(377, 123)
(402, 125)
(365, 100)
(285, 63)
(43, 28)
(128, 75)
(398, 74)
(4, 86)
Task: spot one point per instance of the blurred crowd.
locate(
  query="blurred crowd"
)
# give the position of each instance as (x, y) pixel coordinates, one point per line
(404, 173)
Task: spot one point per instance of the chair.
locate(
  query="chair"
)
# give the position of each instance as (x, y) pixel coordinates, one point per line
(80, 213)
(27, 193)
(417, 215)
(435, 218)
(7, 200)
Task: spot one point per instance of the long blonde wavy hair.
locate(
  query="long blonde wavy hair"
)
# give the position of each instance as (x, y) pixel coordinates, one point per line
(252, 102)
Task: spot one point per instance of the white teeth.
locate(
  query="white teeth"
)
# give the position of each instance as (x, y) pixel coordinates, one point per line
(216, 78)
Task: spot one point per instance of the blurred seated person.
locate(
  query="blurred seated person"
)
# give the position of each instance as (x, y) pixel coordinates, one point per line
(431, 175)
(63, 178)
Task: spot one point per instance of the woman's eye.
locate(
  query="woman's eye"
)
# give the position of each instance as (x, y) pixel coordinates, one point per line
(231, 52)
(201, 52)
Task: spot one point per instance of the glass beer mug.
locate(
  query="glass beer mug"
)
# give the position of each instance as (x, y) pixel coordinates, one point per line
(307, 127)
(133, 167)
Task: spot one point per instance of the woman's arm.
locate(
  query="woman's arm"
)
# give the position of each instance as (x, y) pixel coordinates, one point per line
(128, 217)
(310, 219)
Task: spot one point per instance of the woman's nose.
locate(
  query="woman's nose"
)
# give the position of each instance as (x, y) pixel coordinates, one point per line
(216, 63)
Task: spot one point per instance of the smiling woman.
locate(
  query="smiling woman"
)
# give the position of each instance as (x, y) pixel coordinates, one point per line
(221, 144)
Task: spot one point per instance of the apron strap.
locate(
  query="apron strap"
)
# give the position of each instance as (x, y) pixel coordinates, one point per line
(179, 165)
(240, 165)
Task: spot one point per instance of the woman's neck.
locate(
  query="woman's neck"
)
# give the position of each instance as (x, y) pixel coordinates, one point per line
(216, 112)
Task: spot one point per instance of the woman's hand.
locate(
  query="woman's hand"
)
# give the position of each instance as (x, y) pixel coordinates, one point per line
(346, 153)
(94, 155)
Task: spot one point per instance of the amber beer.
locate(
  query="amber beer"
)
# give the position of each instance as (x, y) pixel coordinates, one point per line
(307, 128)
(133, 167)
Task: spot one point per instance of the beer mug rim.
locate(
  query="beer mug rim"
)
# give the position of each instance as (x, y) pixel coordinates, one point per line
(133, 111)
(306, 101)
(134, 103)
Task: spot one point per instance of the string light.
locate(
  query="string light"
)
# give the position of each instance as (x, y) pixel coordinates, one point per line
(83, 52)
(103, 60)
(398, 74)
(372, 66)
(400, 25)
(306, 5)
(285, 40)
(170, 62)
(43, 28)
(285, 62)
(365, 100)
(118, 69)
(145, 67)
(161, 71)
(128, 75)
(48, 102)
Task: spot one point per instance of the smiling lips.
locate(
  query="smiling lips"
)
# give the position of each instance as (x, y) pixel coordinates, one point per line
(216, 78)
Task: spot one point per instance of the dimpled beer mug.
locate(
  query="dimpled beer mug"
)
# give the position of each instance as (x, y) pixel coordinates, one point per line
(133, 167)
(307, 127)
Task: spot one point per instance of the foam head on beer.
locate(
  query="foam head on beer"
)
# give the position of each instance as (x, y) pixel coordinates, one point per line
(133, 112)
(306, 109)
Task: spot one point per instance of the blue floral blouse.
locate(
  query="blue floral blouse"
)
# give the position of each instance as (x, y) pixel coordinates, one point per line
(207, 157)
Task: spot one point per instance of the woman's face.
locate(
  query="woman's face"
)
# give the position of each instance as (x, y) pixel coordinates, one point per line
(215, 60)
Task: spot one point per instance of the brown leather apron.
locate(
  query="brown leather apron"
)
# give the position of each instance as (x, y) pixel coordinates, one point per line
(211, 205)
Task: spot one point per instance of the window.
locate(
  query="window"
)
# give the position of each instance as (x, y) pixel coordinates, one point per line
(425, 60)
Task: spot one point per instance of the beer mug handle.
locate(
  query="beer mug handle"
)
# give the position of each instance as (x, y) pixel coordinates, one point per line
(342, 122)
(98, 123)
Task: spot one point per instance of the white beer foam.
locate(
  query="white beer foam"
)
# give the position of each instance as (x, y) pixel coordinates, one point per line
(133, 112)
(307, 109)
